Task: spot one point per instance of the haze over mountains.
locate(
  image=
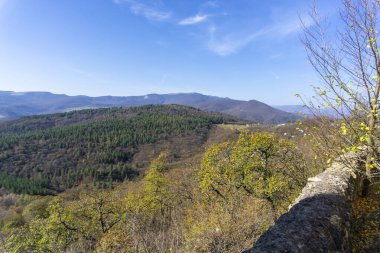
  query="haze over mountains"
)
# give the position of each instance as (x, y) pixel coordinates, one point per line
(18, 104)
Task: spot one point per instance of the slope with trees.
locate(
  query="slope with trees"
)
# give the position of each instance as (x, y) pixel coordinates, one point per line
(221, 205)
(64, 149)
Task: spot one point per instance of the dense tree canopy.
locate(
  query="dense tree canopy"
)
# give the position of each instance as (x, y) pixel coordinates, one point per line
(63, 149)
(223, 205)
(259, 164)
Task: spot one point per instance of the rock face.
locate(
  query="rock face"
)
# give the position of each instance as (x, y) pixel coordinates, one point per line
(319, 220)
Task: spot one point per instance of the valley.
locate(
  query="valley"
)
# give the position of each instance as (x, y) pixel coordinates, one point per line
(143, 179)
(212, 126)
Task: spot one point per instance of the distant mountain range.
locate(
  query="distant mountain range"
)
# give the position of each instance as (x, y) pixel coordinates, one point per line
(311, 113)
(18, 104)
(293, 109)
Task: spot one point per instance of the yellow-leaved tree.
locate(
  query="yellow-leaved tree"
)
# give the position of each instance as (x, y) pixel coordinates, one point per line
(346, 102)
(244, 185)
(258, 164)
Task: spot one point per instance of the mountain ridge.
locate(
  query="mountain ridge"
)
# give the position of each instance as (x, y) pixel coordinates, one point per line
(18, 104)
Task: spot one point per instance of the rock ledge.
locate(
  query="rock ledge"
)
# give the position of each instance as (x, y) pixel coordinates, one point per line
(320, 218)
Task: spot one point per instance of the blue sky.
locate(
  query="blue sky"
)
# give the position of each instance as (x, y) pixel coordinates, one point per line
(242, 49)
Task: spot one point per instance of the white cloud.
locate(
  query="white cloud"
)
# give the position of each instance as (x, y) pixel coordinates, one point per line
(227, 46)
(275, 75)
(292, 26)
(193, 20)
(163, 79)
(146, 11)
(275, 56)
(231, 43)
(211, 4)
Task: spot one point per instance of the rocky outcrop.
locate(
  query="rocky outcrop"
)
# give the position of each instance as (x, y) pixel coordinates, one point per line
(320, 219)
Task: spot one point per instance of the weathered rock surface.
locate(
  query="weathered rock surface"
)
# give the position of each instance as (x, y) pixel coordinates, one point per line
(319, 220)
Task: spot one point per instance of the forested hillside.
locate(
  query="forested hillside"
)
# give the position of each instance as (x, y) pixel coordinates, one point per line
(223, 202)
(145, 179)
(48, 153)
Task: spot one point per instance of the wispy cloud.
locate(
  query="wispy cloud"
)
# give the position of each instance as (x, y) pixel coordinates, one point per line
(275, 56)
(230, 43)
(222, 38)
(193, 20)
(147, 11)
(210, 4)
(163, 79)
(275, 75)
(292, 26)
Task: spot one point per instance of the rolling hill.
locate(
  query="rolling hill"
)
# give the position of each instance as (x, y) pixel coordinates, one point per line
(49, 153)
(16, 104)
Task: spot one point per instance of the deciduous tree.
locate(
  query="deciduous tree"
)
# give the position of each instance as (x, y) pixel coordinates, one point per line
(348, 63)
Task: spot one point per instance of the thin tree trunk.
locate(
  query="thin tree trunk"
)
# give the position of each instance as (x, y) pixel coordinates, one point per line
(372, 150)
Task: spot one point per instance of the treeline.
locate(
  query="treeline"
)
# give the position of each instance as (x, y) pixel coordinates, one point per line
(223, 205)
(72, 148)
(43, 122)
(24, 186)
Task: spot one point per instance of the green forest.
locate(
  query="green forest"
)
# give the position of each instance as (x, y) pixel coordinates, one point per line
(55, 152)
(203, 206)
(155, 179)
(145, 179)
(170, 178)
(176, 179)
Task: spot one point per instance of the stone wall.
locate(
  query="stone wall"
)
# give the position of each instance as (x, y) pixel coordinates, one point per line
(320, 219)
